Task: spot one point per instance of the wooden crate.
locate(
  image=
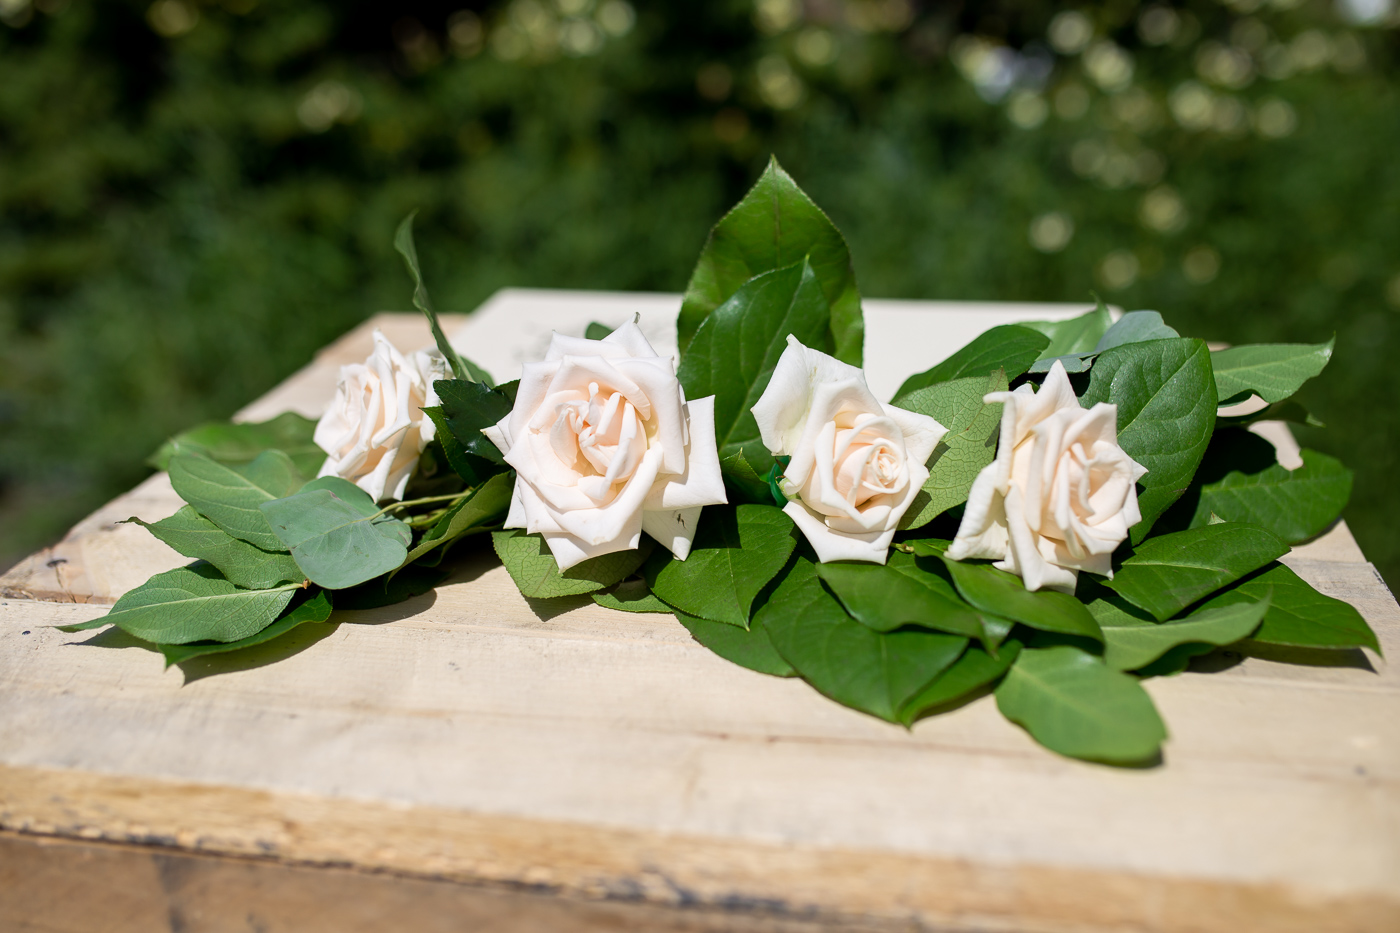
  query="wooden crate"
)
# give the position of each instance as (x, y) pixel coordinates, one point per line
(472, 759)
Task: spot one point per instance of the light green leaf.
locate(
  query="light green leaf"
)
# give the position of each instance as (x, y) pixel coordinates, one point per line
(229, 494)
(1074, 704)
(1166, 413)
(632, 596)
(969, 445)
(975, 670)
(736, 348)
(536, 573)
(1008, 347)
(1129, 647)
(229, 442)
(240, 562)
(315, 609)
(736, 552)
(462, 368)
(336, 534)
(1003, 594)
(1167, 573)
(1294, 504)
(775, 226)
(1135, 327)
(193, 604)
(486, 506)
(749, 647)
(853, 664)
(1272, 371)
(1298, 616)
(1076, 335)
(905, 591)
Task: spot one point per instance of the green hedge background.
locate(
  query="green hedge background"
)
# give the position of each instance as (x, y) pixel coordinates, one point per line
(195, 196)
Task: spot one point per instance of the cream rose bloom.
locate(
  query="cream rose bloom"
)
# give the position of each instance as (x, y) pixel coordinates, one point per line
(856, 463)
(1060, 495)
(375, 429)
(605, 446)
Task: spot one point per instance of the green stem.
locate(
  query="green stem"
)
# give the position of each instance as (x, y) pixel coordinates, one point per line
(408, 503)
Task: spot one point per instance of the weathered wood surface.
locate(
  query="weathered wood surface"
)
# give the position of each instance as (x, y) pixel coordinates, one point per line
(475, 736)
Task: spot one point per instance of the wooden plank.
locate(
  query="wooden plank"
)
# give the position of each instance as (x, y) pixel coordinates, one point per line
(476, 736)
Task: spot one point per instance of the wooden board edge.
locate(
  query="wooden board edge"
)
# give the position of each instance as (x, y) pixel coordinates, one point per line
(600, 862)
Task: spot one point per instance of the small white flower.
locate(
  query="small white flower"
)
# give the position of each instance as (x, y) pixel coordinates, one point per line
(1060, 495)
(605, 446)
(375, 429)
(856, 463)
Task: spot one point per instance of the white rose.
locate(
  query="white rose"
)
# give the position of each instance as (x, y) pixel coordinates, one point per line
(1060, 495)
(856, 463)
(375, 429)
(605, 446)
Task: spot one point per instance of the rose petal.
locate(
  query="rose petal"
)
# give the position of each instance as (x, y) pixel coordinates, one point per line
(701, 483)
(674, 529)
(830, 545)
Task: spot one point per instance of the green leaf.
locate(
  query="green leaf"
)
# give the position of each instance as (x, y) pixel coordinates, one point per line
(536, 573)
(473, 469)
(1003, 594)
(241, 563)
(1008, 347)
(736, 552)
(1167, 573)
(229, 494)
(1298, 616)
(596, 331)
(195, 604)
(1076, 335)
(413, 580)
(1294, 504)
(734, 352)
(853, 664)
(1166, 412)
(1074, 704)
(486, 506)
(1135, 327)
(742, 482)
(969, 445)
(336, 534)
(229, 442)
(1129, 647)
(749, 647)
(775, 226)
(904, 591)
(315, 609)
(1272, 371)
(973, 671)
(467, 407)
(403, 242)
(632, 596)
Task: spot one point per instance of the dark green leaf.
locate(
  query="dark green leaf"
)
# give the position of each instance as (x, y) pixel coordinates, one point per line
(1166, 411)
(1003, 594)
(969, 445)
(1074, 704)
(737, 551)
(403, 242)
(633, 596)
(1288, 410)
(1299, 616)
(486, 506)
(774, 226)
(596, 331)
(467, 407)
(851, 663)
(1076, 335)
(736, 348)
(975, 670)
(1008, 347)
(315, 609)
(742, 481)
(413, 580)
(1135, 327)
(336, 534)
(536, 573)
(749, 647)
(229, 494)
(241, 563)
(229, 442)
(473, 469)
(1293, 504)
(1129, 647)
(194, 604)
(1167, 573)
(1272, 371)
(905, 591)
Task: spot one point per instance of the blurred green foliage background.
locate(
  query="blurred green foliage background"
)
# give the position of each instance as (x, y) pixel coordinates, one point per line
(196, 195)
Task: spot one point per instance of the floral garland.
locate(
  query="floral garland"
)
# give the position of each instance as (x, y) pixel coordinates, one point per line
(1052, 514)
